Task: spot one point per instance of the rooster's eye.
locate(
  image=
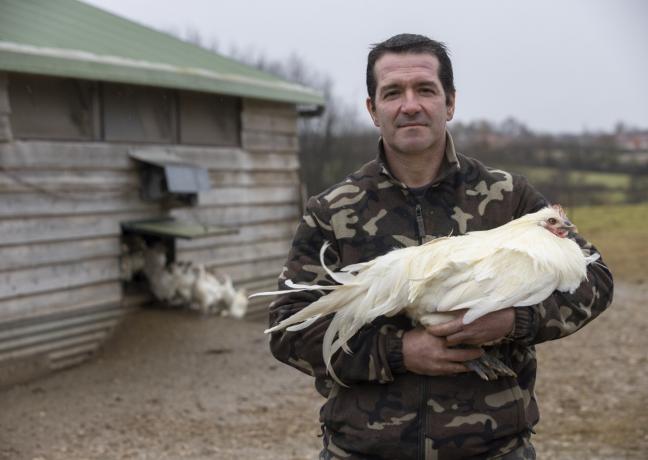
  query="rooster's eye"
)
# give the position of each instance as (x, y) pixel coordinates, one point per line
(552, 221)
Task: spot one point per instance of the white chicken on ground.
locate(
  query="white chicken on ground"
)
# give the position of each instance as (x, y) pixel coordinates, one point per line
(192, 285)
(236, 299)
(211, 295)
(517, 264)
(207, 291)
(161, 281)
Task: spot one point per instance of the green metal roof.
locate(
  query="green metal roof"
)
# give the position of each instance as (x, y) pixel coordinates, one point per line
(68, 38)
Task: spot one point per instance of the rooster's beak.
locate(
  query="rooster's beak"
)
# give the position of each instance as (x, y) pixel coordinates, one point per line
(568, 226)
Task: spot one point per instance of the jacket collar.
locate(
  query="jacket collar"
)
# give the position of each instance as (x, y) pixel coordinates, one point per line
(449, 166)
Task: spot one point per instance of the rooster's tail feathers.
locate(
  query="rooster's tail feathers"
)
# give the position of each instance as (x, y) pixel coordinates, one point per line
(308, 315)
(343, 277)
(295, 287)
(303, 325)
(330, 345)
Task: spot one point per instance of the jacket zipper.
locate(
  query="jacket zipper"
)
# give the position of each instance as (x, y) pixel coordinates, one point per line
(420, 224)
(423, 442)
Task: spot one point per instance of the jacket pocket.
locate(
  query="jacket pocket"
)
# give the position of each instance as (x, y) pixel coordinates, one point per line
(377, 420)
(466, 414)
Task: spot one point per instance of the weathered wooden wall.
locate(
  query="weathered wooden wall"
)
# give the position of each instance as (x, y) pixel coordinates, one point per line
(257, 189)
(61, 204)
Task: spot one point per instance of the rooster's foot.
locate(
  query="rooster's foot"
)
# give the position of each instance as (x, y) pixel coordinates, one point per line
(489, 367)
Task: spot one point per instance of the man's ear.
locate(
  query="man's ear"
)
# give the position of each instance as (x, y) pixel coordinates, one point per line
(450, 106)
(371, 108)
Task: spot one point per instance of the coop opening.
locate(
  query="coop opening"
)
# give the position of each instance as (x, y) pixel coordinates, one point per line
(151, 270)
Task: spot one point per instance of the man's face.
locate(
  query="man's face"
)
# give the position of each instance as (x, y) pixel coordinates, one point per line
(410, 103)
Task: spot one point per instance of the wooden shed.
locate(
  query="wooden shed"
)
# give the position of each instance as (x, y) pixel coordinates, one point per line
(84, 96)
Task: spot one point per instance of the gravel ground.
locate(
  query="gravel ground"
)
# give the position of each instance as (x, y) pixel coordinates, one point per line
(172, 385)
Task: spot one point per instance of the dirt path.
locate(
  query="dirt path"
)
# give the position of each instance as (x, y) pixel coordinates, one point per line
(171, 385)
(593, 385)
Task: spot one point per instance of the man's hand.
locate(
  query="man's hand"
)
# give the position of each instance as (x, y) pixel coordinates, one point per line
(424, 353)
(487, 329)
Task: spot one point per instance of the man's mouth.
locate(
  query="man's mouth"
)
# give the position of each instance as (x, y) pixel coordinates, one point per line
(410, 125)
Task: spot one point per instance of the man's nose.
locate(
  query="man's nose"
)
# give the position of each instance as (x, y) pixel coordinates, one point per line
(410, 103)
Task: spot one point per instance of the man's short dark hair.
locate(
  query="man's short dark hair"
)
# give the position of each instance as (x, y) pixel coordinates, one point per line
(415, 44)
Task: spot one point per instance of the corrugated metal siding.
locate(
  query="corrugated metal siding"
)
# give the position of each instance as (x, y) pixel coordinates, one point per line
(54, 341)
(56, 331)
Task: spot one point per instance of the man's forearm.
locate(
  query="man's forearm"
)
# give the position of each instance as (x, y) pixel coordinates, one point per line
(376, 352)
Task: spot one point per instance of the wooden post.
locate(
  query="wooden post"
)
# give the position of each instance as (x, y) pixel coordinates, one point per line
(5, 109)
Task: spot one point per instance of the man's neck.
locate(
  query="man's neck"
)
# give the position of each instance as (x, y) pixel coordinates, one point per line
(415, 169)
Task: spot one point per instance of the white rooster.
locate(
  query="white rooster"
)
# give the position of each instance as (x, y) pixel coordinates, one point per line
(211, 295)
(517, 264)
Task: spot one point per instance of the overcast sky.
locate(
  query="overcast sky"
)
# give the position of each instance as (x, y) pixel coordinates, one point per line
(555, 65)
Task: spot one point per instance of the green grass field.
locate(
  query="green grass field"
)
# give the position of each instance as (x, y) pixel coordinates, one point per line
(583, 187)
(539, 174)
(620, 233)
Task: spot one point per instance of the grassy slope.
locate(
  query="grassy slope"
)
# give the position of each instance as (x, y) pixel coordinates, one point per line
(620, 233)
(538, 174)
(604, 187)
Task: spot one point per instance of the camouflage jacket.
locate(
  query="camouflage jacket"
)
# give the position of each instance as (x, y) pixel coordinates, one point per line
(388, 412)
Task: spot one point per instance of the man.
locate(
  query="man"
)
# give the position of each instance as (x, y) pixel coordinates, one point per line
(409, 395)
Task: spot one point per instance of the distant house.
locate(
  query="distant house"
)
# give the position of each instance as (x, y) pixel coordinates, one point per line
(632, 141)
(94, 111)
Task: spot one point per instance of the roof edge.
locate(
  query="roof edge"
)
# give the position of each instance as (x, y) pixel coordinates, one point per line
(289, 92)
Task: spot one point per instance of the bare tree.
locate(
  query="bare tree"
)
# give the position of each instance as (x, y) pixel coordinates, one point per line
(337, 143)
(332, 144)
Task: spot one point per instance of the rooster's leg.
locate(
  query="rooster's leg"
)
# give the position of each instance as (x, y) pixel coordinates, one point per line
(489, 368)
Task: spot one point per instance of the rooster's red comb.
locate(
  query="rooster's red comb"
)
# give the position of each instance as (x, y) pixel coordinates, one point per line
(560, 210)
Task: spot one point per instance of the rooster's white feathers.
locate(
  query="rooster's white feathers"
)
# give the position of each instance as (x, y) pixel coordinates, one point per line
(518, 264)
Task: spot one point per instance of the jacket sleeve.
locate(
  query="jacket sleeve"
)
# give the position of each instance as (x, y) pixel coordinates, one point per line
(563, 313)
(376, 349)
